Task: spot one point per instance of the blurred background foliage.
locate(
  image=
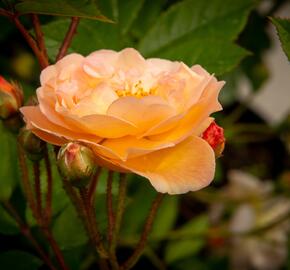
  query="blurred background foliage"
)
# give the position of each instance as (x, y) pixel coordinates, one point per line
(242, 220)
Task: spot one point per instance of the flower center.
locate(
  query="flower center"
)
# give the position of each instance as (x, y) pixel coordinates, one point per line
(136, 91)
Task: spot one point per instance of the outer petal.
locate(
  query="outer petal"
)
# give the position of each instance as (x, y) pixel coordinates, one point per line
(34, 118)
(129, 147)
(189, 166)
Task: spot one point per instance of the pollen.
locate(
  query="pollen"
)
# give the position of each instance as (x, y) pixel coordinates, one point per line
(136, 91)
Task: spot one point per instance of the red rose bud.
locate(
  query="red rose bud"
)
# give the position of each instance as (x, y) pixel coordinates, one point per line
(76, 163)
(32, 145)
(214, 135)
(11, 98)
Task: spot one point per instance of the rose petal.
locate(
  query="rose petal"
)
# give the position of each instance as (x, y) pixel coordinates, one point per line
(129, 147)
(189, 166)
(142, 112)
(34, 117)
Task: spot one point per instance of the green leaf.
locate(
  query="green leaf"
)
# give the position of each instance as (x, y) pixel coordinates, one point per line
(283, 29)
(166, 217)
(7, 224)
(147, 16)
(191, 240)
(128, 11)
(195, 31)
(68, 229)
(91, 36)
(19, 260)
(72, 8)
(9, 173)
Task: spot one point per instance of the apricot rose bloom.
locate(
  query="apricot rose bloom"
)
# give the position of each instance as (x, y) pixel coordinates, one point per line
(141, 116)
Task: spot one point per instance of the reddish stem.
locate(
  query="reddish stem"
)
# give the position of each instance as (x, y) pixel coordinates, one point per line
(48, 210)
(94, 184)
(144, 236)
(39, 34)
(37, 188)
(24, 229)
(68, 38)
(110, 212)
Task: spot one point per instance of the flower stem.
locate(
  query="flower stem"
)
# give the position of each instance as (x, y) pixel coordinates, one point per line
(110, 212)
(37, 188)
(93, 185)
(25, 230)
(144, 236)
(25, 180)
(68, 38)
(119, 214)
(39, 34)
(91, 224)
(48, 210)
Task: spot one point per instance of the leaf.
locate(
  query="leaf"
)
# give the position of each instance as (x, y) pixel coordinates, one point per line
(72, 8)
(8, 225)
(9, 173)
(16, 259)
(166, 217)
(91, 36)
(68, 229)
(198, 30)
(283, 29)
(128, 11)
(147, 16)
(187, 246)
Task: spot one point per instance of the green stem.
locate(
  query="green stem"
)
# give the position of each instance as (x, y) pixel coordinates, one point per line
(144, 236)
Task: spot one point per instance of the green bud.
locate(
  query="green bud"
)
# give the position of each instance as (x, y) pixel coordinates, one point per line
(32, 145)
(76, 163)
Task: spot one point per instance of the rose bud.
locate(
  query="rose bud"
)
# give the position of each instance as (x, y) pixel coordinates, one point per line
(214, 135)
(32, 145)
(76, 163)
(11, 98)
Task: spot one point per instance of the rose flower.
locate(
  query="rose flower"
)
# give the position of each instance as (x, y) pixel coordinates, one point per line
(137, 115)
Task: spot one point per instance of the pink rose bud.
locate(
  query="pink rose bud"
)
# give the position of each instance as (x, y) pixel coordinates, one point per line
(76, 163)
(32, 145)
(11, 98)
(214, 135)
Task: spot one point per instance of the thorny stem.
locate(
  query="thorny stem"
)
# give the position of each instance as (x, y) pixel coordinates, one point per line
(144, 236)
(119, 214)
(93, 185)
(91, 224)
(24, 229)
(39, 34)
(68, 38)
(42, 59)
(110, 212)
(25, 179)
(48, 211)
(55, 247)
(37, 188)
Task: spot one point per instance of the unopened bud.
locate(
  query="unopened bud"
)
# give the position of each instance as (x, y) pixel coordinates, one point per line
(76, 163)
(214, 135)
(32, 145)
(11, 98)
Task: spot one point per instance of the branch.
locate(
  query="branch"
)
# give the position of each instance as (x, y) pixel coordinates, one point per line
(39, 35)
(143, 239)
(68, 38)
